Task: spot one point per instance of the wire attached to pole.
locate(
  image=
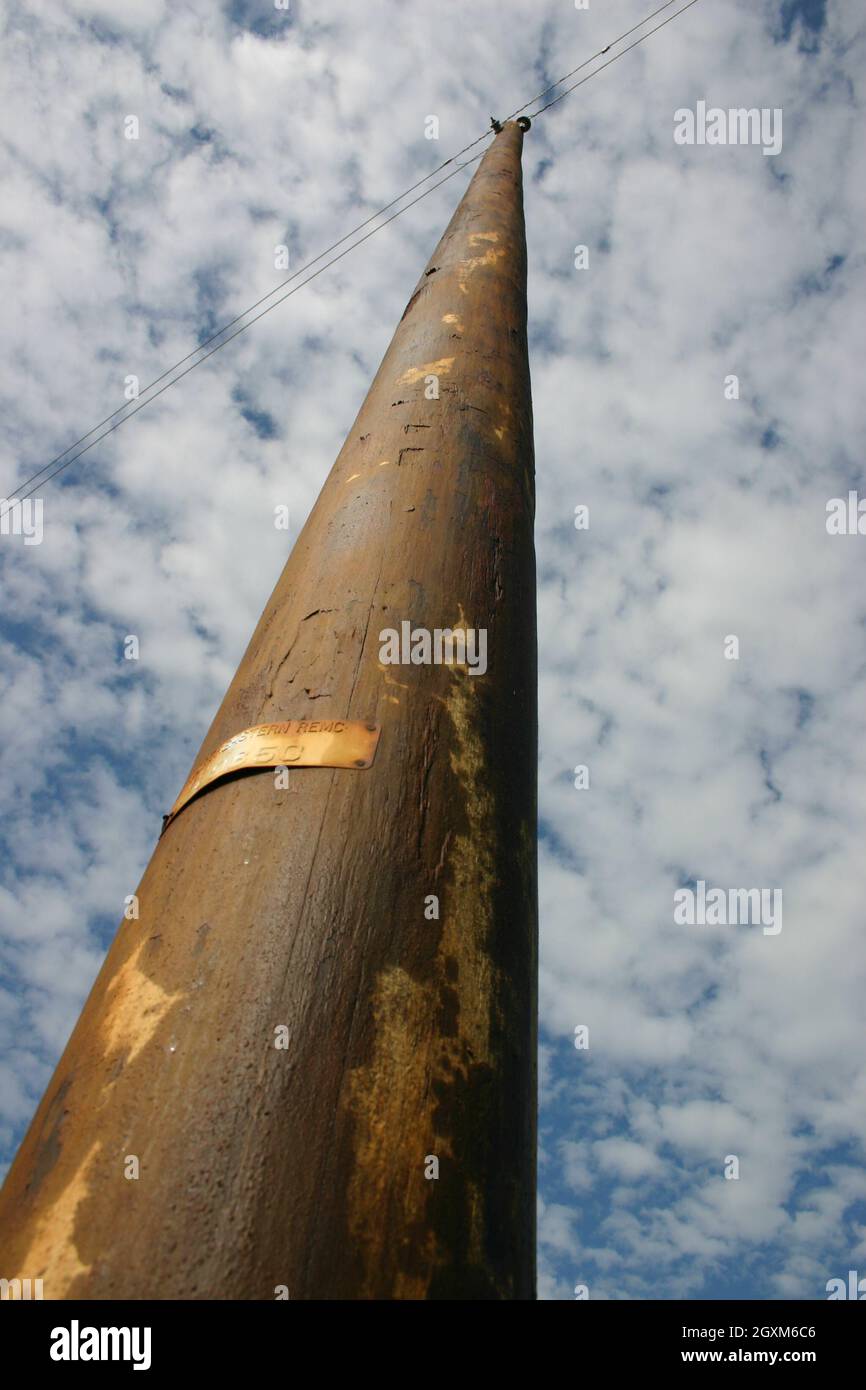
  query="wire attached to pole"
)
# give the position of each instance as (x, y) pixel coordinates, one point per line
(37, 479)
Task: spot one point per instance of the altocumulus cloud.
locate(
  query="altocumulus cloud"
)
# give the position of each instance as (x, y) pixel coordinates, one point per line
(706, 519)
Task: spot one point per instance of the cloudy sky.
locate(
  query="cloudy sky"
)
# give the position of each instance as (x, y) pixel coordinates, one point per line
(260, 127)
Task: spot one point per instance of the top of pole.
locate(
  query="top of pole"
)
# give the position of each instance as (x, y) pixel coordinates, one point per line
(522, 121)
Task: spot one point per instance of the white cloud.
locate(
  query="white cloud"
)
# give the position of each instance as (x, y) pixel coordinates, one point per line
(703, 262)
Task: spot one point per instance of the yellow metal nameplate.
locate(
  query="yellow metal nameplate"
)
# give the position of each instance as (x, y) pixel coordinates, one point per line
(297, 743)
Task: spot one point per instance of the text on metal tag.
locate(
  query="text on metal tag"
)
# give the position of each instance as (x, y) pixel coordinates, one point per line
(296, 743)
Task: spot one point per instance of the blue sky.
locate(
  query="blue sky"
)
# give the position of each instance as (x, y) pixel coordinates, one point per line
(261, 128)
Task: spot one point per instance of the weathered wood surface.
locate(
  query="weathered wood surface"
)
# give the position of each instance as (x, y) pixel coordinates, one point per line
(407, 1037)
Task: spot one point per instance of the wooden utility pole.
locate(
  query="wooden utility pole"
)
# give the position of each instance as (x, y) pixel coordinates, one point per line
(315, 1045)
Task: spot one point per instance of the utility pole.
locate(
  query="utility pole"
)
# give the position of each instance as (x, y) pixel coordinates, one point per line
(307, 1067)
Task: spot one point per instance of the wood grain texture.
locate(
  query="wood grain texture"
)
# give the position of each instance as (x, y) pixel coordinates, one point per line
(407, 1037)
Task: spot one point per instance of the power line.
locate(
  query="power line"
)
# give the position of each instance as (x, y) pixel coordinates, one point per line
(360, 227)
(237, 331)
(602, 66)
(37, 479)
(226, 326)
(599, 54)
